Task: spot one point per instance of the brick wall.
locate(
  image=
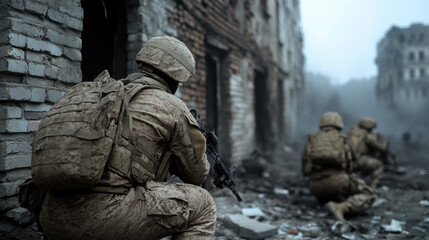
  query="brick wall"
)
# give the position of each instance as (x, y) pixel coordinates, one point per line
(39, 60)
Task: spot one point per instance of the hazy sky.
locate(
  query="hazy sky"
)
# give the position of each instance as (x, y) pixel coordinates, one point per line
(340, 36)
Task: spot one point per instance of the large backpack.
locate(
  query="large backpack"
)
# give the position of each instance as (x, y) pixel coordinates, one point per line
(327, 148)
(356, 137)
(75, 138)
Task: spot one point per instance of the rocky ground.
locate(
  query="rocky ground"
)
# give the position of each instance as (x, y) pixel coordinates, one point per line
(401, 211)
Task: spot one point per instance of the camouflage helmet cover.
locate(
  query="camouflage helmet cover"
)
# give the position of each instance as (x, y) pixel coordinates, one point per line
(168, 55)
(367, 123)
(331, 119)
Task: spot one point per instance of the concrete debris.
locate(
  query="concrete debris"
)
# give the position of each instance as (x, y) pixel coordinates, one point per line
(298, 236)
(385, 188)
(340, 228)
(422, 172)
(394, 227)
(281, 191)
(426, 220)
(261, 195)
(252, 212)
(287, 149)
(350, 236)
(379, 202)
(255, 164)
(293, 232)
(424, 203)
(250, 228)
(388, 213)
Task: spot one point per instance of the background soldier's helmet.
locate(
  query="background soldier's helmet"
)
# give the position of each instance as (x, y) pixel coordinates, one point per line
(367, 123)
(168, 55)
(331, 119)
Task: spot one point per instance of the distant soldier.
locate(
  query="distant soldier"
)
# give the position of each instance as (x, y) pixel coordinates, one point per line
(368, 148)
(327, 160)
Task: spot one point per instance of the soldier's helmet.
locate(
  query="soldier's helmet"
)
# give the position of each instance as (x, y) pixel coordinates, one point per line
(168, 55)
(331, 119)
(367, 123)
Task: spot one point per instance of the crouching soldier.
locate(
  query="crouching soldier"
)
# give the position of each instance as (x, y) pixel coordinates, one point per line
(132, 199)
(368, 148)
(327, 160)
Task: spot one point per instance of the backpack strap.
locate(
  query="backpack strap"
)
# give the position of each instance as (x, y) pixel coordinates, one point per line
(159, 156)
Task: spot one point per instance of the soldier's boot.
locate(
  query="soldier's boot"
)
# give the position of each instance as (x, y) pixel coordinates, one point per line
(337, 209)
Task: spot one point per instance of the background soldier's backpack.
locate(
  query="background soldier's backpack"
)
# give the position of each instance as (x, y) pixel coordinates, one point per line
(327, 148)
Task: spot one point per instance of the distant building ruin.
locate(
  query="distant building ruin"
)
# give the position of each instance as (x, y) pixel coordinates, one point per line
(249, 68)
(403, 66)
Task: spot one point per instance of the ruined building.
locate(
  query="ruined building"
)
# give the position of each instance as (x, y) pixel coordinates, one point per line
(249, 68)
(403, 66)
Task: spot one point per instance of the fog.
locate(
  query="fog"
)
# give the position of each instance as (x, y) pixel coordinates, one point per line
(354, 100)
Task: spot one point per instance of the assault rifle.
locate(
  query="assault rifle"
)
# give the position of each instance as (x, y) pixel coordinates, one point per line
(388, 157)
(224, 176)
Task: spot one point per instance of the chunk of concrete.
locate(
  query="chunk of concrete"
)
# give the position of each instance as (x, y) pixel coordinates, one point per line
(250, 228)
(252, 212)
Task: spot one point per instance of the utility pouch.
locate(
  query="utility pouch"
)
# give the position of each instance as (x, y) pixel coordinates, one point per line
(31, 198)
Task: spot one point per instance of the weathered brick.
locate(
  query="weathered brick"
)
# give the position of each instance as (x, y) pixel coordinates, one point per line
(36, 57)
(19, 215)
(8, 203)
(9, 189)
(35, 81)
(32, 107)
(69, 75)
(36, 69)
(72, 54)
(7, 112)
(51, 72)
(15, 161)
(39, 45)
(34, 115)
(17, 145)
(13, 66)
(54, 95)
(75, 11)
(14, 39)
(17, 4)
(11, 52)
(14, 175)
(65, 19)
(33, 126)
(64, 39)
(14, 126)
(38, 95)
(14, 92)
(36, 7)
(27, 29)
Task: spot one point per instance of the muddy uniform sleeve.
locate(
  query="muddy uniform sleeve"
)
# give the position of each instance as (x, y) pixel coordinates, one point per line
(376, 143)
(188, 145)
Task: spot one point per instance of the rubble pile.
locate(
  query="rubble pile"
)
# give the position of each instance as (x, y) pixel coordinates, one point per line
(279, 198)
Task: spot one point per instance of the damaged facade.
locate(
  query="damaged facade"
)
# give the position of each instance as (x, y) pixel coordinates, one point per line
(249, 68)
(403, 66)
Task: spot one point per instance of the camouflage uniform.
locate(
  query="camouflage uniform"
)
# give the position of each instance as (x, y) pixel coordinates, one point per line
(328, 183)
(152, 210)
(366, 147)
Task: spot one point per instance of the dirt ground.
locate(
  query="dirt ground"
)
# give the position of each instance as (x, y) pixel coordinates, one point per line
(403, 197)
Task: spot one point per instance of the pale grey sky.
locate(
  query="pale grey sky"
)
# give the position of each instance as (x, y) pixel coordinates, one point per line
(340, 36)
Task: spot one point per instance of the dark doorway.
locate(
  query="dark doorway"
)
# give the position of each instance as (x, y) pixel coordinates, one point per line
(104, 38)
(213, 72)
(281, 101)
(262, 112)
